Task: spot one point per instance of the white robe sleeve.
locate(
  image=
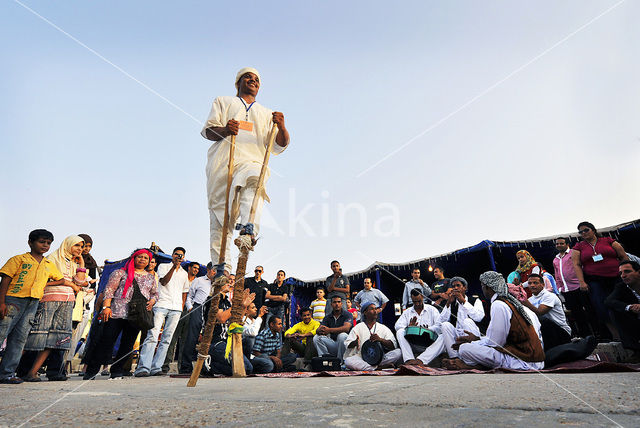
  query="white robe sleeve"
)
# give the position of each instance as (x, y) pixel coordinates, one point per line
(473, 312)
(403, 321)
(499, 326)
(215, 117)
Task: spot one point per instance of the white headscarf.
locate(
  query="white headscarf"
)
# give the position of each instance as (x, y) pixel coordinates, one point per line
(246, 70)
(63, 253)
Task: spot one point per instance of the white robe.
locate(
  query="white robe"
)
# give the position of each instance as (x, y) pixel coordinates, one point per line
(467, 314)
(428, 318)
(483, 352)
(360, 333)
(248, 157)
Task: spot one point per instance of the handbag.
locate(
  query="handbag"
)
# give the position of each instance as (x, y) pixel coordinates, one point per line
(139, 316)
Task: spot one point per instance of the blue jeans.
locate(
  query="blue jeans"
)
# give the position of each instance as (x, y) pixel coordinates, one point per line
(15, 328)
(148, 361)
(263, 364)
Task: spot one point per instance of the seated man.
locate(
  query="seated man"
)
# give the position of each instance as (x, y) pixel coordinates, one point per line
(513, 339)
(219, 363)
(300, 336)
(458, 318)
(267, 349)
(370, 329)
(624, 303)
(252, 323)
(417, 315)
(370, 294)
(330, 336)
(413, 283)
(548, 307)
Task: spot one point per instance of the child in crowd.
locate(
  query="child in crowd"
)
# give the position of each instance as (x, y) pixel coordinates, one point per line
(24, 278)
(353, 311)
(318, 306)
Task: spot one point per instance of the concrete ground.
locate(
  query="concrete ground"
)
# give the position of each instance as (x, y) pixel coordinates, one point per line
(458, 400)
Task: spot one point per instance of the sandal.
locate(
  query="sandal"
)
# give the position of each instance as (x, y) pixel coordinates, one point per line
(12, 380)
(35, 378)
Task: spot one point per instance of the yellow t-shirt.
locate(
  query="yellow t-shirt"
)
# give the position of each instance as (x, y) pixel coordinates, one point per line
(303, 328)
(28, 277)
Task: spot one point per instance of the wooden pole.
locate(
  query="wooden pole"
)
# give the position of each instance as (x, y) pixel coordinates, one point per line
(263, 172)
(203, 349)
(244, 247)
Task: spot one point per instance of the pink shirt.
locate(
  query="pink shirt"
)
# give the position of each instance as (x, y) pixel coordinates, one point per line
(565, 273)
(607, 267)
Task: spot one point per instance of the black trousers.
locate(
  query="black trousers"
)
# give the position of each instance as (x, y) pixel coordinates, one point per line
(582, 313)
(552, 334)
(628, 325)
(195, 320)
(103, 351)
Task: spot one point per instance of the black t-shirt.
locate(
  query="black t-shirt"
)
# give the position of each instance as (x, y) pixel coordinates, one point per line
(220, 330)
(277, 291)
(331, 322)
(258, 287)
(441, 285)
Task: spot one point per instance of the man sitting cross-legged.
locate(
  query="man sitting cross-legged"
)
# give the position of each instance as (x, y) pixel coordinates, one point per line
(267, 349)
(513, 339)
(456, 319)
(371, 330)
(330, 336)
(300, 336)
(420, 315)
(547, 306)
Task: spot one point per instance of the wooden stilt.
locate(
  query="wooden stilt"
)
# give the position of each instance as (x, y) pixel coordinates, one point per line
(203, 348)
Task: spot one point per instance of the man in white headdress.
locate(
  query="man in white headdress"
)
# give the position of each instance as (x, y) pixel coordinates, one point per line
(251, 123)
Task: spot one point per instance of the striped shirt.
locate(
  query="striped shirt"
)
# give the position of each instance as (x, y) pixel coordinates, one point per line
(267, 342)
(318, 307)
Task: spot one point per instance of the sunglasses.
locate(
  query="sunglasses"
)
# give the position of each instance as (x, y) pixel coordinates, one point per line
(584, 231)
(257, 271)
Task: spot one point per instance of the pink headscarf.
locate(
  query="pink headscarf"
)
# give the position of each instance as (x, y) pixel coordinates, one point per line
(130, 268)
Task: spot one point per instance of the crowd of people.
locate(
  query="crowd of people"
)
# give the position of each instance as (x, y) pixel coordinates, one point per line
(153, 314)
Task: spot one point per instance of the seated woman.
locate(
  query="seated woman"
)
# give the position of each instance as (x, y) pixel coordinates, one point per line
(115, 310)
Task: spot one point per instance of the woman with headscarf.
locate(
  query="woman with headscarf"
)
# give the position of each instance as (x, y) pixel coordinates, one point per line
(513, 338)
(595, 261)
(115, 311)
(52, 325)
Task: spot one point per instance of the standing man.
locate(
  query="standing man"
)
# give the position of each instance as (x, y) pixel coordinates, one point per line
(257, 285)
(199, 292)
(576, 300)
(373, 295)
(439, 287)
(172, 293)
(337, 286)
(183, 325)
(415, 282)
(251, 123)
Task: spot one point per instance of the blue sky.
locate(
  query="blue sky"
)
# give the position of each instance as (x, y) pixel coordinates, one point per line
(88, 149)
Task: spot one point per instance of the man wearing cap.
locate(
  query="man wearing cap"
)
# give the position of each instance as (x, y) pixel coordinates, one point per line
(513, 338)
(251, 123)
(420, 315)
(372, 331)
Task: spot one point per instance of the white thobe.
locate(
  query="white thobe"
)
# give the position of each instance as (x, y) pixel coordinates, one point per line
(361, 333)
(248, 158)
(429, 318)
(483, 352)
(466, 315)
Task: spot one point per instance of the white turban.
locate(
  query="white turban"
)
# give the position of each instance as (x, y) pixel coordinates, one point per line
(246, 70)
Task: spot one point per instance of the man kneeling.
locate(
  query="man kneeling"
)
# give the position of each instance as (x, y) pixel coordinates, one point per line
(373, 331)
(267, 350)
(513, 339)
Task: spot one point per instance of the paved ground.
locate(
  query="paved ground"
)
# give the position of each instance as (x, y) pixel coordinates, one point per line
(458, 400)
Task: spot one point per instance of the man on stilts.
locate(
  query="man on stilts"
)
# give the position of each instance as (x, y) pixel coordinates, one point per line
(251, 123)
(235, 188)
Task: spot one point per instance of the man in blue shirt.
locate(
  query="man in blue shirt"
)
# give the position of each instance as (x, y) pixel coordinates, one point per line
(267, 349)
